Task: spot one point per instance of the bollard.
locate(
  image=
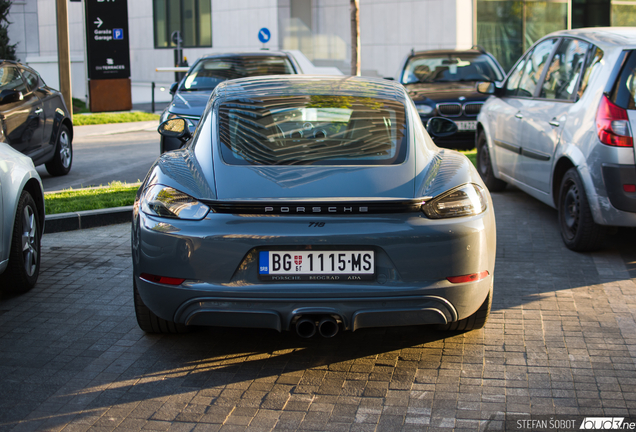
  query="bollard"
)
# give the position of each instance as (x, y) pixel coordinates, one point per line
(152, 86)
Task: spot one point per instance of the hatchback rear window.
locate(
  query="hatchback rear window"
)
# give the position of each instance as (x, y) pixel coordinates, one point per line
(624, 93)
(312, 130)
(207, 73)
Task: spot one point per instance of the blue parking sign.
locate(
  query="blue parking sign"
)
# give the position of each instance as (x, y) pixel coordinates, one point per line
(118, 34)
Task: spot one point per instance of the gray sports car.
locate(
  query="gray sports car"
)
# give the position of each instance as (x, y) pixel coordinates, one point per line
(314, 204)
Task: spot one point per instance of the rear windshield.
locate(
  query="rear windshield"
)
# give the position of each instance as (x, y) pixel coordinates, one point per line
(450, 68)
(624, 93)
(207, 73)
(312, 130)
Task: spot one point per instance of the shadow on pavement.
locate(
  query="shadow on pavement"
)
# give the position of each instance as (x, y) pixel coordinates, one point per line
(262, 368)
(532, 261)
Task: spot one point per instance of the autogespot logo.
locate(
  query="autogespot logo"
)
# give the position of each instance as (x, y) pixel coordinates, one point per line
(607, 423)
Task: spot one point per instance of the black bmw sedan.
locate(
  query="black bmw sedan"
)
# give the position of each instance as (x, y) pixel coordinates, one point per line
(191, 94)
(443, 83)
(34, 119)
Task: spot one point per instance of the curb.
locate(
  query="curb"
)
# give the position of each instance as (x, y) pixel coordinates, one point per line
(87, 219)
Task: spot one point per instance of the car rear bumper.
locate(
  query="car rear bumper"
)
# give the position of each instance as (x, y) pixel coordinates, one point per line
(196, 305)
(615, 178)
(218, 258)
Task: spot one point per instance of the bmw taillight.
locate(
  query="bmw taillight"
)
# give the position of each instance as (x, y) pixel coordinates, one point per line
(612, 124)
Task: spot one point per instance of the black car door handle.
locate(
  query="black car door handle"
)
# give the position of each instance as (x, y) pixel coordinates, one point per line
(38, 111)
(554, 122)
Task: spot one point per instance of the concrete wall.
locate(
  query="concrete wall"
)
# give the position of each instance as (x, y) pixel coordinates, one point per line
(389, 29)
(34, 29)
(23, 30)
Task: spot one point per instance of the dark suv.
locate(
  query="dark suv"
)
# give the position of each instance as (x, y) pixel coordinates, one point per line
(443, 83)
(34, 118)
(191, 94)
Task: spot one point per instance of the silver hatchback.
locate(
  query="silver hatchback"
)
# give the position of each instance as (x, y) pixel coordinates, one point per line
(560, 129)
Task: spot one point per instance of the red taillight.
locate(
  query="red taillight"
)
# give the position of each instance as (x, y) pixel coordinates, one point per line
(629, 188)
(468, 278)
(161, 279)
(612, 125)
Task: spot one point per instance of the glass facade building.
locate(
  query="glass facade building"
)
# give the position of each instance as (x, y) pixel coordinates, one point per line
(507, 28)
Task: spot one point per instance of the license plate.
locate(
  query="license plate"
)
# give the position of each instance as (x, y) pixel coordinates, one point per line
(334, 265)
(466, 125)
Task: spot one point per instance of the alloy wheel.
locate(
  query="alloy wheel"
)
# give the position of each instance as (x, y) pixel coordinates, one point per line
(65, 150)
(29, 241)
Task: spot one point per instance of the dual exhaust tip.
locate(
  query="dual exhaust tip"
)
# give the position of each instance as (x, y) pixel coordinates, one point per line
(326, 326)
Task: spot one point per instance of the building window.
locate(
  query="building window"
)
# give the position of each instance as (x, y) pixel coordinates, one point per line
(193, 18)
(507, 28)
(623, 13)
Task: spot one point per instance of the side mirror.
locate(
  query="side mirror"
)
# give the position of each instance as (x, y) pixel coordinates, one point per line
(173, 88)
(176, 127)
(440, 127)
(8, 96)
(486, 87)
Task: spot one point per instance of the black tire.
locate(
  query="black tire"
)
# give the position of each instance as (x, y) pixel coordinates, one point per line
(475, 321)
(579, 231)
(23, 269)
(484, 166)
(151, 323)
(63, 157)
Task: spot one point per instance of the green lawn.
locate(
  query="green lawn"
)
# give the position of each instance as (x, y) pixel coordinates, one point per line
(116, 194)
(107, 118)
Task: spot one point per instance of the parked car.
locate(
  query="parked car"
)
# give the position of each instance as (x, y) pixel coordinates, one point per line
(191, 94)
(443, 83)
(311, 203)
(34, 118)
(560, 129)
(21, 220)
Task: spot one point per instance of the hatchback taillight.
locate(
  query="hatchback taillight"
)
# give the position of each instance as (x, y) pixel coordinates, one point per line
(612, 124)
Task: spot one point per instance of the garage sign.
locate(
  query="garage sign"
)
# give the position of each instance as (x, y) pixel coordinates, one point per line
(107, 39)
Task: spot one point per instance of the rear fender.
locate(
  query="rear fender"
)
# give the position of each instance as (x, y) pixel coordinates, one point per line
(574, 154)
(445, 171)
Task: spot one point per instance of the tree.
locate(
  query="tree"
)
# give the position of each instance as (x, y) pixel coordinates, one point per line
(355, 37)
(7, 51)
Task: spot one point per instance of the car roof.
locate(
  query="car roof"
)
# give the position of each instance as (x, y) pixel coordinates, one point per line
(320, 85)
(603, 36)
(448, 52)
(261, 53)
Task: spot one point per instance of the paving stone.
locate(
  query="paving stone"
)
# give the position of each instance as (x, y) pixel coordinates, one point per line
(560, 341)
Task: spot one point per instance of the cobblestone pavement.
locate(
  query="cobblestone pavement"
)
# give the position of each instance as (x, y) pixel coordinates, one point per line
(561, 342)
